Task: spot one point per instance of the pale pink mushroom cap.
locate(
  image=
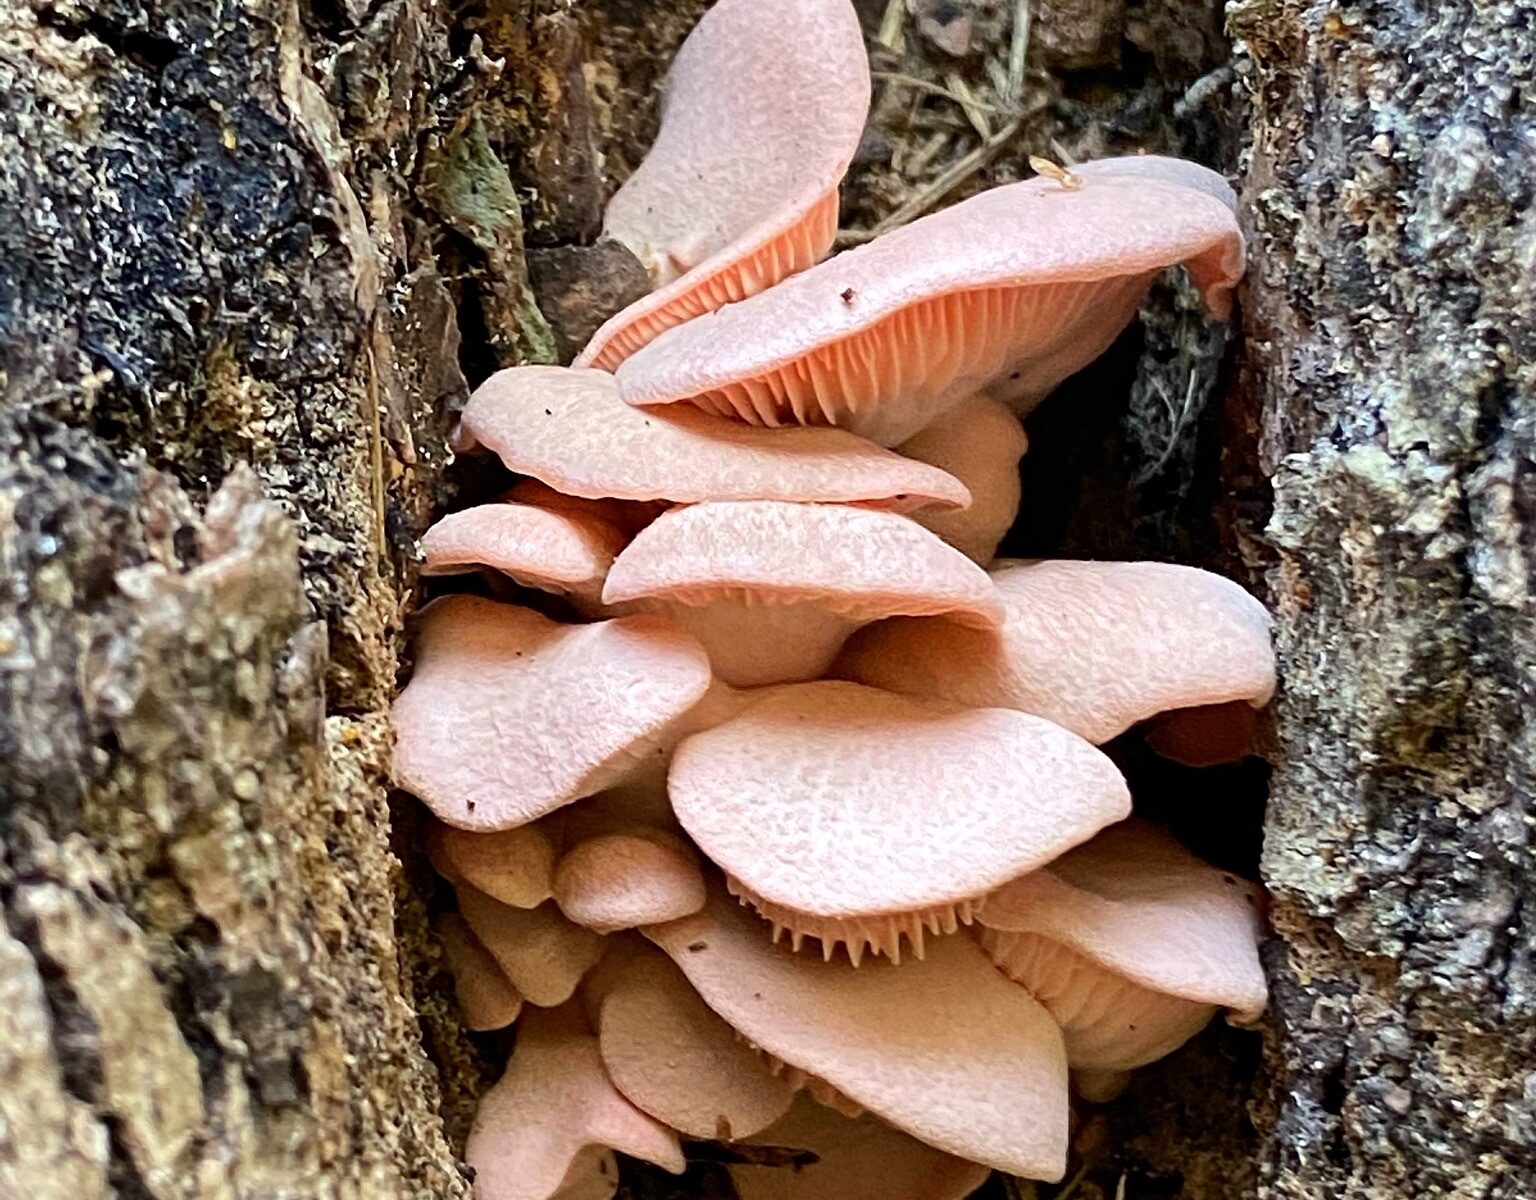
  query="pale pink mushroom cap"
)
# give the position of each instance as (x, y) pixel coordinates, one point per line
(1094, 646)
(773, 589)
(544, 955)
(511, 715)
(568, 428)
(546, 1130)
(558, 552)
(945, 1049)
(1132, 943)
(515, 866)
(763, 110)
(1012, 289)
(858, 816)
(858, 1158)
(486, 996)
(627, 516)
(980, 442)
(623, 880)
(668, 1052)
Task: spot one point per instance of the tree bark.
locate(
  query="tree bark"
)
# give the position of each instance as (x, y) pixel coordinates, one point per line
(254, 254)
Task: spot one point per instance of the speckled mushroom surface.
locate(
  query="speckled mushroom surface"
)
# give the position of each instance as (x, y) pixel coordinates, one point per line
(944, 1048)
(1094, 646)
(561, 552)
(763, 110)
(1012, 289)
(833, 800)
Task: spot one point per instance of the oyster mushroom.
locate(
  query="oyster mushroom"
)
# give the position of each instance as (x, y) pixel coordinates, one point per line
(772, 590)
(945, 1049)
(862, 817)
(514, 866)
(487, 999)
(548, 1128)
(856, 1158)
(568, 428)
(980, 442)
(1093, 646)
(621, 880)
(1012, 289)
(1132, 944)
(543, 954)
(511, 715)
(763, 110)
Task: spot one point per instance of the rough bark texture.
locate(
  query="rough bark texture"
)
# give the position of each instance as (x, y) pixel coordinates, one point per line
(252, 257)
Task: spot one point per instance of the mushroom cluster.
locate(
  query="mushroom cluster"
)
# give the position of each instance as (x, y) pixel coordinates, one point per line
(774, 804)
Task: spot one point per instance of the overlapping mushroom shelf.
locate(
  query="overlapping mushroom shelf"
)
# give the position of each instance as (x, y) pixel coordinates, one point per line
(773, 803)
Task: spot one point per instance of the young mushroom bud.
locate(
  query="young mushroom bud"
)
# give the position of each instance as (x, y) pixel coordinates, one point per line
(1013, 289)
(514, 866)
(621, 880)
(861, 817)
(544, 955)
(763, 110)
(486, 996)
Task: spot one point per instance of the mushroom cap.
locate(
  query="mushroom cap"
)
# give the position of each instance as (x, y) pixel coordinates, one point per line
(544, 955)
(486, 996)
(668, 1052)
(1094, 646)
(515, 866)
(1132, 943)
(569, 428)
(854, 562)
(1205, 735)
(860, 1158)
(1015, 287)
(559, 552)
(627, 516)
(763, 110)
(624, 880)
(844, 801)
(980, 442)
(945, 1048)
(511, 715)
(542, 1130)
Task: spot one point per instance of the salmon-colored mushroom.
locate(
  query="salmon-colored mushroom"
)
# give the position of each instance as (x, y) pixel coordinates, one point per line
(772, 590)
(1012, 290)
(511, 715)
(622, 880)
(547, 1130)
(861, 817)
(1132, 943)
(1094, 646)
(945, 1049)
(763, 110)
(569, 428)
(487, 998)
(856, 1158)
(515, 866)
(543, 954)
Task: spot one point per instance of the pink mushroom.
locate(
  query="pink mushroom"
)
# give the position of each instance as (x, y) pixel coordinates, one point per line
(1094, 646)
(945, 1048)
(514, 866)
(622, 880)
(773, 589)
(763, 110)
(1133, 944)
(860, 817)
(568, 428)
(511, 715)
(548, 1128)
(544, 955)
(1012, 289)
(487, 998)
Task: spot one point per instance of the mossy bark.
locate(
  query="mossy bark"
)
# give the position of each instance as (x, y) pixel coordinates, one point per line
(251, 257)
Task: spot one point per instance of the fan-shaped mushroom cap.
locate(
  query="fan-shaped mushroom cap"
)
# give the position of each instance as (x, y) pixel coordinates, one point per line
(546, 1129)
(764, 108)
(511, 715)
(1014, 288)
(945, 1049)
(543, 954)
(1132, 943)
(1093, 646)
(859, 1158)
(623, 880)
(539, 548)
(486, 997)
(773, 589)
(569, 428)
(668, 1052)
(627, 516)
(859, 816)
(515, 866)
(980, 442)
